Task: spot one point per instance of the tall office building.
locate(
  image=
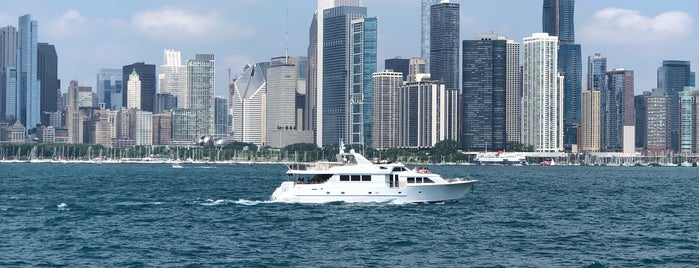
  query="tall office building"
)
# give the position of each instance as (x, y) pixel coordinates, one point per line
(444, 44)
(110, 87)
(141, 127)
(619, 109)
(398, 65)
(386, 90)
(640, 106)
(172, 78)
(673, 76)
(425, 12)
(133, 90)
(200, 88)
(590, 121)
(513, 92)
(28, 90)
(484, 93)
(363, 64)
(542, 94)
(248, 102)
(8, 73)
(343, 96)
(162, 128)
(165, 102)
(146, 73)
(47, 74)
(281, 94)
(318, 61)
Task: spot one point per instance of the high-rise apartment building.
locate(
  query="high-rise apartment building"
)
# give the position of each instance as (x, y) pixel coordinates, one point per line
(417, 67)
(172, 78)
(146, 74)
(28, 90)
(687, 119)
(513, 92)
(542, 94)
(657, 123)
(387, 85)
(484, 93)
(673, 76)
(444, 44)
(162, 128)
(47, 74)
(426, 109)
(141, 127)
(640, 106)
(596, 72)
(200, 88)
(590, 121)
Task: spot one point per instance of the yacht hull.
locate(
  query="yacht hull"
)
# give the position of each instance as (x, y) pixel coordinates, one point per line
(324, 193)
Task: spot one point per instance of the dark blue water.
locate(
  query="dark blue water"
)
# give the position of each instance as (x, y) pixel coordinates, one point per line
(154, 215)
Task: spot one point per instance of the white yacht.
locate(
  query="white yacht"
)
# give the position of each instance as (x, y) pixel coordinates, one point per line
(353, 178)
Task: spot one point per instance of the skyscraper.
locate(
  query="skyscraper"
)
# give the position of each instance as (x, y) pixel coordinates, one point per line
(28, 90)
(596, 70)
(133, 90)
(542, 94)
(8, 73)
(249, 93)
(146, 73)
(47, 74)
(558, 19)
(425, 11)
(444, 44)
(337, 74)
(590, 121)
(484, 93)
(172, 78)
(513, 91)
(200, 88)
(687, 119)
(619, 109)
(311, 98)
(386, 90)
(673, 76)
(657, 122)
(110, 87)
(220, 117)
(398, 65)
(570, 67)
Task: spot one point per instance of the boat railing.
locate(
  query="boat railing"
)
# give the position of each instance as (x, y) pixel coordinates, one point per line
(313, 166)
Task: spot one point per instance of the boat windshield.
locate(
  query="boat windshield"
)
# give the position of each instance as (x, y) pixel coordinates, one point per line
(318, 178)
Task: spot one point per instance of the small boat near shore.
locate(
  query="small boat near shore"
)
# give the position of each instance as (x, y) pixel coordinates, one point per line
(353, 178)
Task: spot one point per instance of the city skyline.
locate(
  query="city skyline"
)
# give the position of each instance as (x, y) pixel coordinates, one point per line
(86, 40)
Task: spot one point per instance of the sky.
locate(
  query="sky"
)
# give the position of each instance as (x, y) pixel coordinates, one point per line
(90, 35)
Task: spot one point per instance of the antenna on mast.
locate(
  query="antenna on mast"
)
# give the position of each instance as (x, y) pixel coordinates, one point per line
(286, 38)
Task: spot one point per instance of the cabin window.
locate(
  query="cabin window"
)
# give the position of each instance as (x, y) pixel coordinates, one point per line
(397, 169)
(427, 180)
(366, 177)
(344, 178)
(320, 178)
(411, 180)
(356, 178)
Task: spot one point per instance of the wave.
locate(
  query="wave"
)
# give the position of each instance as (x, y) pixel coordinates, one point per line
(62, 207)
(137, 203)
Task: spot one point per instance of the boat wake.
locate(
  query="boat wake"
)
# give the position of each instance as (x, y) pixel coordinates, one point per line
(244, 202)
(135, 203)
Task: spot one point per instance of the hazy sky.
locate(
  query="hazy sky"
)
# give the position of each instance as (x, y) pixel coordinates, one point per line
(90, 35)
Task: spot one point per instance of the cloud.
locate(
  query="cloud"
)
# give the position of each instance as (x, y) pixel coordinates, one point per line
(69, 24)
(171, 23)
(623, 26)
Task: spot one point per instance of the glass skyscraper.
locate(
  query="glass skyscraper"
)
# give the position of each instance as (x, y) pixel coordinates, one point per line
(109, 88)
(200, 88)
(28, 91)
(47, 74)
(337, 75)
(673, 76)
(444, 44)
(484, 93)
(425, 29)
